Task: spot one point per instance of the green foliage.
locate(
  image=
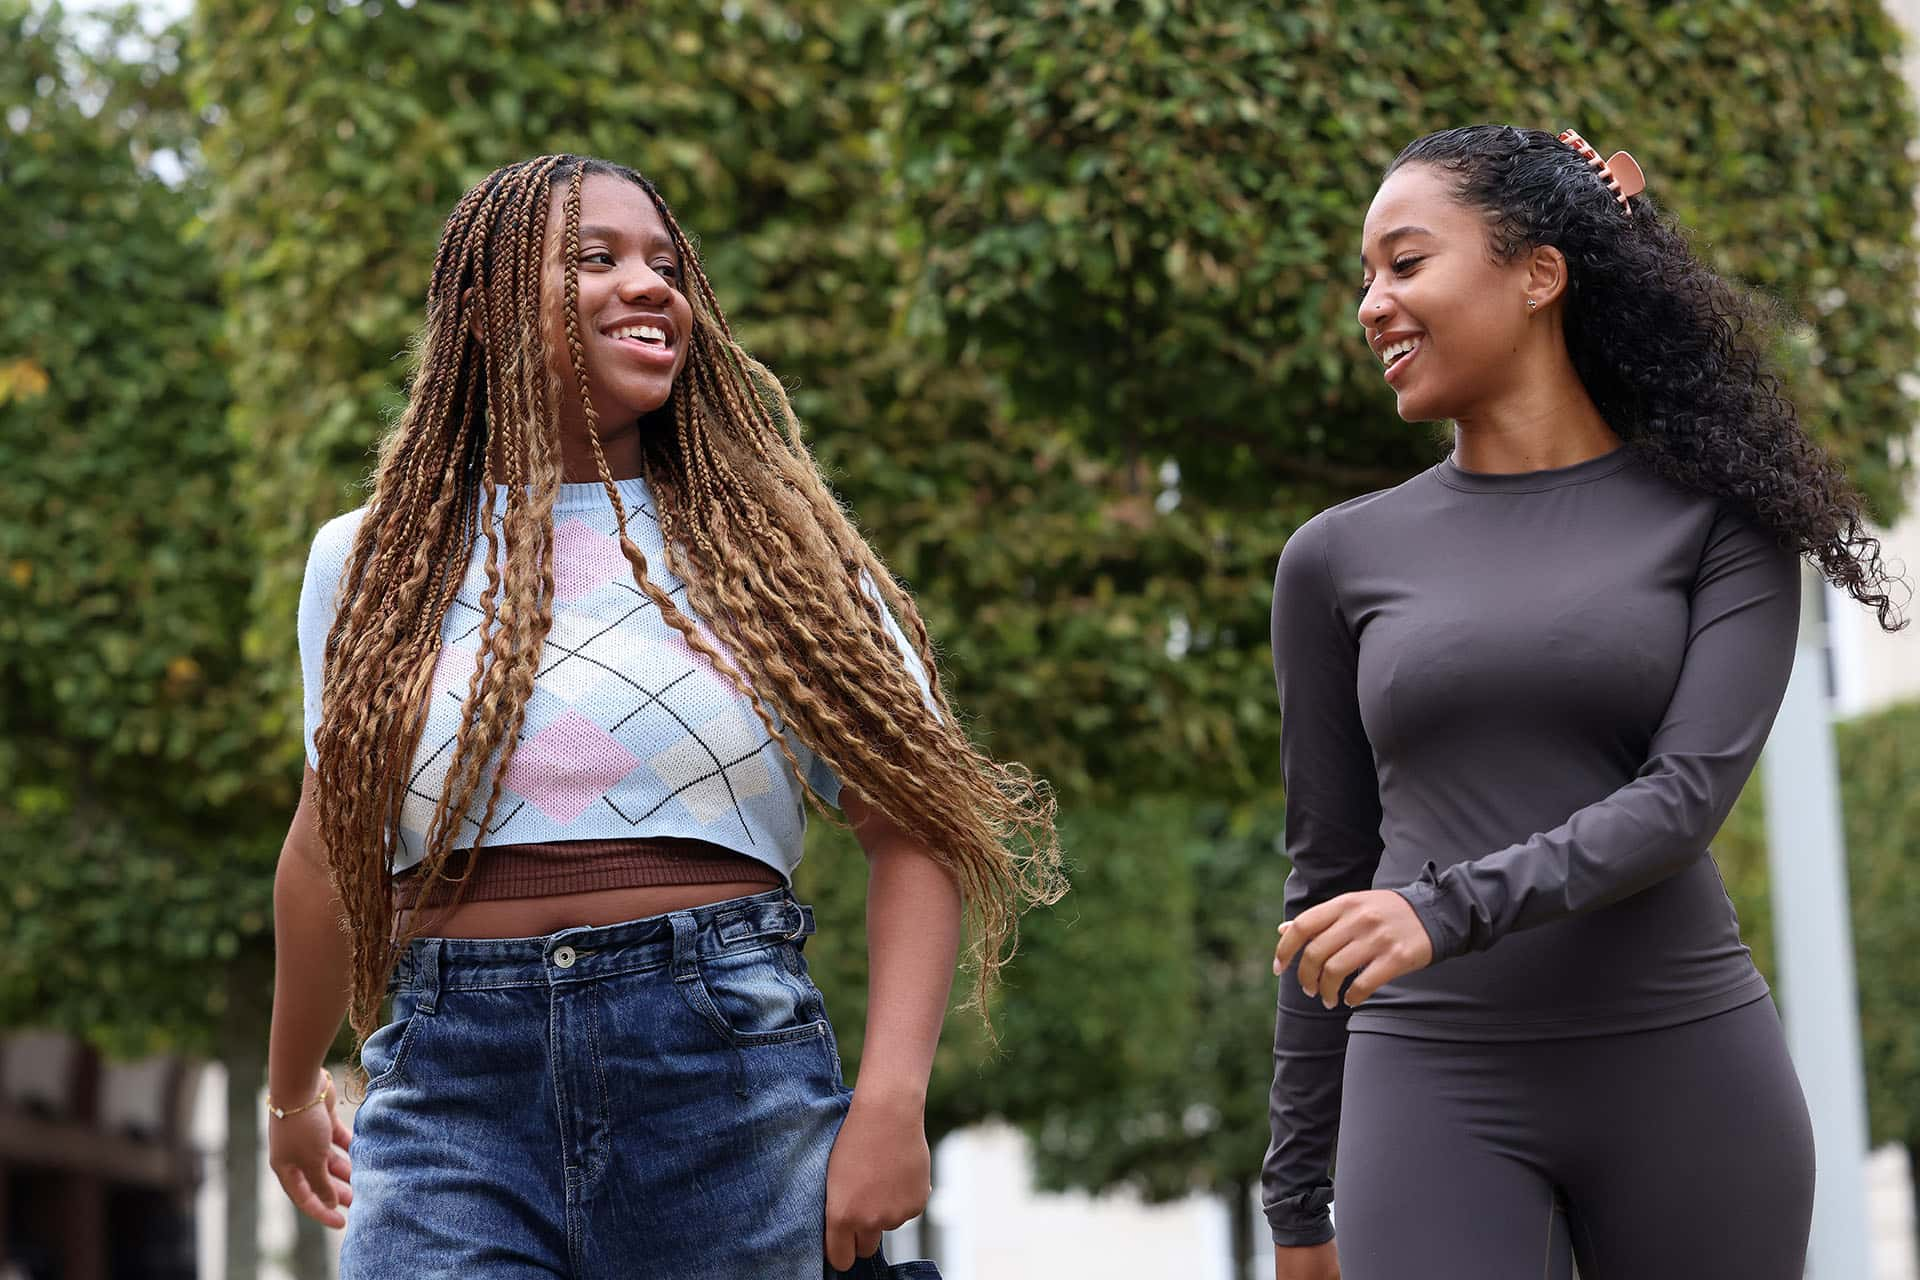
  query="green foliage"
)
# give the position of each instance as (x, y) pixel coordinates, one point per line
(1879, 765)
(130, 934)
(1135, 1023)
(117, 608)
(1096, 620)
(1880, 771)
(1146, 213)
(1187, 921)
(126, 733)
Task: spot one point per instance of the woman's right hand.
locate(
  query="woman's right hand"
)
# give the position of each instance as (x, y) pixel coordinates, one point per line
(1308, 1262)
(308, 1153)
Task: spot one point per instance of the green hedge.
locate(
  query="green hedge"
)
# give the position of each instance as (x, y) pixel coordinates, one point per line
(131, 803)
(1147, 214)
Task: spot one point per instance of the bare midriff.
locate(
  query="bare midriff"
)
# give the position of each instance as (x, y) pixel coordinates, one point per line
(535, 917)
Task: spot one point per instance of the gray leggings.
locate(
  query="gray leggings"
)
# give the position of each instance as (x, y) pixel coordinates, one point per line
(1682, 1153)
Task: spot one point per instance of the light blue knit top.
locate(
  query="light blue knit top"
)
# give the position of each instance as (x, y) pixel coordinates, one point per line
(628, 731)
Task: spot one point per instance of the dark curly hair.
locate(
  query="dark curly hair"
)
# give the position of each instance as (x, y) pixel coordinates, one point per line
(1674, 356)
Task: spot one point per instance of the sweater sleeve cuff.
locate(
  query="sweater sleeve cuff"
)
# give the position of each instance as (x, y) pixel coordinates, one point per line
(1429, 903)
(1303, 1218)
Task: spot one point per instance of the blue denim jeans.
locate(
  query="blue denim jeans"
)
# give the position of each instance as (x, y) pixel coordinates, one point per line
(650, 1099)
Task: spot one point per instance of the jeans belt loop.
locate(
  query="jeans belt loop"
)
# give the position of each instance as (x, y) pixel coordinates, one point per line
(429, 977)
(684, 966)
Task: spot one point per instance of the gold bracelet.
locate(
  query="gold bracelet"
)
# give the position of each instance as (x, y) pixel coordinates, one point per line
(326, 1087)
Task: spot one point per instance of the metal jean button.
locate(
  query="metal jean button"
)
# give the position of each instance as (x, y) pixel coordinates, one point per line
(564, 957)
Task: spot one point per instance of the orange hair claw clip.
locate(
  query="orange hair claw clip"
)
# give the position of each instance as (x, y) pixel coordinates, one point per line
(1620, 171)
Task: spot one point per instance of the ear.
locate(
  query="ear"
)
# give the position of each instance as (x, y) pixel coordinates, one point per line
(468, 297)
(1547, 275)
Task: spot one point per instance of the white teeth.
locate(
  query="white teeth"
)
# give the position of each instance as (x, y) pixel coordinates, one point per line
(1398, 349)
(644, 332)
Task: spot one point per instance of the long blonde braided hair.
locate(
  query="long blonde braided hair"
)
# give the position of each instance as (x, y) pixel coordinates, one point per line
(773, 566)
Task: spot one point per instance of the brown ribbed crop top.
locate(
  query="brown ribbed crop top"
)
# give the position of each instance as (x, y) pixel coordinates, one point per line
(579, 866)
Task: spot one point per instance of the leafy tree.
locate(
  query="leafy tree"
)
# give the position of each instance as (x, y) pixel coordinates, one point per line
(1187, 896)
(127, 732)
(132, 813)
(1144, 215)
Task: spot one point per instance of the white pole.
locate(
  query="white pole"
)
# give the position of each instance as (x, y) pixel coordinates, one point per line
(1813, 938)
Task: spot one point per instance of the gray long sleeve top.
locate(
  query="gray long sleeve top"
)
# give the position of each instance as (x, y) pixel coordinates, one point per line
(1526, 702)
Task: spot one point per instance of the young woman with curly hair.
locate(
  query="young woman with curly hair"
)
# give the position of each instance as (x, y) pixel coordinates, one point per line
(1519, 694)
(572, 675)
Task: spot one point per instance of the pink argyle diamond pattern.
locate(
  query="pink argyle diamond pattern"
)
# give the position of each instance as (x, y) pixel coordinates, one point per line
(567, 766)
(698, 661)
(584, 560)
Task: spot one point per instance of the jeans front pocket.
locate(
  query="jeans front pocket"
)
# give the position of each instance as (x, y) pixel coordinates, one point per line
(755, 997)
(386, 1050)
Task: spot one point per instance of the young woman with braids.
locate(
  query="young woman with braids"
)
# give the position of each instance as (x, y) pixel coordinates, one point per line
(1519, 694)
(572, 675)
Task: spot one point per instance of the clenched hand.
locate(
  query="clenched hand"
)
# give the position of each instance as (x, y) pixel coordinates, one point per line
(1374, 934)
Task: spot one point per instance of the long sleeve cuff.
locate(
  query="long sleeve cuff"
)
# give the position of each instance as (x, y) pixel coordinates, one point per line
(1439, 914)
(1304, 1218)
(1309, 1056)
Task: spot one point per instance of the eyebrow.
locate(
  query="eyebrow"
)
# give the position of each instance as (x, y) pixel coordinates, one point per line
(1398, 233)
(596, 232)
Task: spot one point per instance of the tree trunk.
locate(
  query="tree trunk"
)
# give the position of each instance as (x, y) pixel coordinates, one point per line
(246, 1062)
(1240, 1219)
(243, 1048)
(312, 1257)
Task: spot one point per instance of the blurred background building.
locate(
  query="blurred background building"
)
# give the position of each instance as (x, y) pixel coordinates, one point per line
(98, 1162)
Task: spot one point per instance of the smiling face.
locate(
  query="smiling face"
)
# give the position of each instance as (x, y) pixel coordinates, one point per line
(635, 323)
(1447, 322)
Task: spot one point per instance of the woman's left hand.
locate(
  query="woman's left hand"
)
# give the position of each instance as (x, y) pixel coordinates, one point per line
(878, 1177)
(1374, 933)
